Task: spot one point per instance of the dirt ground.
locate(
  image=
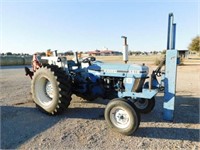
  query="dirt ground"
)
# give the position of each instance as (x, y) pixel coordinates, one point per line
(82, 125)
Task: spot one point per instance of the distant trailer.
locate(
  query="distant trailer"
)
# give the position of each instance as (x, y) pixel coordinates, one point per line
(183, 53)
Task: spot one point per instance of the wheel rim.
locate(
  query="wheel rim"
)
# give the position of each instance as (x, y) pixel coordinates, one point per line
(142, 103)
(44, 91)
(49, 89)
(120, 117)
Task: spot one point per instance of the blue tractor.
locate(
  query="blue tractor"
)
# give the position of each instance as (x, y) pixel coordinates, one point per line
(129, 86)
(126, 84)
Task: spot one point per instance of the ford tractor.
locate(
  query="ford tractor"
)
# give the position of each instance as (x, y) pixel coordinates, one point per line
(130, 87)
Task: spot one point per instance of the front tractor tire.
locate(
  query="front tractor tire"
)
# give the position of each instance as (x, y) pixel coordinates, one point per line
(51, 89)
(122, 116)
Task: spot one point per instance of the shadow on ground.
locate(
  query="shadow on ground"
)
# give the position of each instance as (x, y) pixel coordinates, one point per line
(186, 110)
(186, 113)
(19, 124)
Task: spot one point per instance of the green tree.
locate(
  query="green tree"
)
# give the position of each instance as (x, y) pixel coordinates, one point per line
(42, 54)
(8, 53)
(164, 52)
(195, 44)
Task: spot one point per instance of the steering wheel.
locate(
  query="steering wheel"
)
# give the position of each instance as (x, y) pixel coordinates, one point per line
(88, 59)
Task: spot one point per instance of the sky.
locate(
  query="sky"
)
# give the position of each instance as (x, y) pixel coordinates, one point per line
(29, 26)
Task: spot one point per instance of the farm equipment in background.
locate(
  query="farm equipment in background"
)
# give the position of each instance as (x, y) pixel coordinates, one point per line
(132, 89)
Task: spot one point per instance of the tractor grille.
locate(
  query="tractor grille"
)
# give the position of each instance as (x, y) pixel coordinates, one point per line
(137, 87)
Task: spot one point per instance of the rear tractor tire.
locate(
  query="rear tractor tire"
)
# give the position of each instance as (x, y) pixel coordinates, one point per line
(122, 116)
(145, 105)
(51, 89)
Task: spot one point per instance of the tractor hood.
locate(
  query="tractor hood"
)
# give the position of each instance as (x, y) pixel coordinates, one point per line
(119, 70)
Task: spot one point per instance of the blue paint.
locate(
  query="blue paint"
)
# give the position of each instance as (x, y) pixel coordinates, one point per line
(146, 93)
(174, 36)
(170, 84)
(155, 83)
(97, 90)
(92, 77)
(168, 114)
(128, 83)
(119, 70)
(170, 71)
(170, 31)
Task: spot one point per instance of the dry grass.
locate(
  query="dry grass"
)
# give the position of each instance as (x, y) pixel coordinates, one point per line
(151, 59)
(132, 59)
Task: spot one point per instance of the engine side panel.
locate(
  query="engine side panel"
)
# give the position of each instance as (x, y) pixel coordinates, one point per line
(119, 70)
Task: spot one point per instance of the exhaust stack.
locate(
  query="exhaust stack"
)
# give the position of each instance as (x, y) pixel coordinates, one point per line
(125, 49)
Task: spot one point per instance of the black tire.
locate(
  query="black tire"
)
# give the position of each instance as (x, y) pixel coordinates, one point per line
(115, 113)
(51, 89)
(145, 105)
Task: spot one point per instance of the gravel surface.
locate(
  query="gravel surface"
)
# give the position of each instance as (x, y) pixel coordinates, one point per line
(82, 125)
